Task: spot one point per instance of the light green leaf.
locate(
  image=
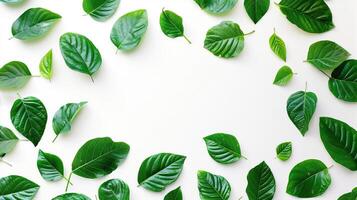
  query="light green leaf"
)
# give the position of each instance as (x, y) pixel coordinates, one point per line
(50, 166)
(213, 187)
(8, 141)
(14, 75)
(114, 189)
(217, 7)
(283, 76)
(261, 183)
(175, 194)
(171, 25)
(284, 151)
(256, 9)
(17, 187)
(46, 65)
(100, 10)
(277, 45)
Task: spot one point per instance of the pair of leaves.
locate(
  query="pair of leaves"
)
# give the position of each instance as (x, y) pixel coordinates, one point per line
(256, 9)
(349, 196)
(114, 189)
(100, 10)
(17, 187)
(223, 148)
(129, 30)
(71, 196)
(301, 107)
(160, 170)
(50, 166)
(171, 25)
(284, 151)
(313, 16)
(175, 194)
(14, 75)
(29, 116)
(283, 76)
(277, 45)
(216, 6)
(213, 186)
(8, 141)
(340, 141)
(309, 178)
(261, 183)
(46, 65)
(34, 23)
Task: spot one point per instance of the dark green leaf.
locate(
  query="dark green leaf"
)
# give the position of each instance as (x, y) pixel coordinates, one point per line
(217, 6)
(283, 76)
(261, 183)
(309, 178)
(277, 45)
(46, 65)
(29, 116)
(17, 188)
(175, 194)
(50, 166)
(100, 9)
(160, 170)
(213, 187)
(256, 9)
(114, 189)
(8, 141)
(349, 196)
(71, 196)
(34, 23)
(284, 151)
(14, 75)
(171, 24)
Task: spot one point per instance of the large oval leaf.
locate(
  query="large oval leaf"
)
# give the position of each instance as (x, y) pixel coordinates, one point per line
(100, 9)
(8, 141)
(256, 9)
(34, 23)
(50, 166)
(213, 187)
(17, 187)
(309, 178)
(80, 54)
(29, 116)
(301, 107)
(14, 75)
(349, 196)
(284, 151)
(114, 189)
(46, 65)
(277, 45)
(175, 194)
(312, 16)
(129, 30)
(71, 196)
(171, 25)
(343, 81)
(283, 76)
(340, 141)
(217, 6)
(261, 183)
(223, 148)
(160, 170)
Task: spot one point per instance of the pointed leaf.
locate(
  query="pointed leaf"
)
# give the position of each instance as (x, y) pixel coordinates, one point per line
(171, 24)
(217, 7)
(349, 196)
(114, 189)
(277, 45)
(213, 187)
(8, 141)
(175, 194)
(46, 65)
(14, 75)
(261, 183)
(284, 151)
(283, 76)
(71, 196)
(50, 166)
(100, 10)
(256, 9)
(17, 187)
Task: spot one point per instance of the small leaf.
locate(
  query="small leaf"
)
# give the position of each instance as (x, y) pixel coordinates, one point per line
(309, 178)
(217, 7)
(160, 170)
(171, 25)
(100, 10)
(129, 30)
(8, 141)
(71, 196)
(29, 116)
(17, 187)
(50, 166)
(175, 194)
(213, 187)
(349, 196)
(14, 75)
(46, 65)
(284, 151)
(114, 189)
(261, 183)
(223, 148)
(283, 76)
(256, 9)
(277, 45)
(34, 23)
(301, 107)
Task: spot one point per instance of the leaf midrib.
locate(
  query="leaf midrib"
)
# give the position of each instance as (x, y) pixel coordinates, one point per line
(226, 148)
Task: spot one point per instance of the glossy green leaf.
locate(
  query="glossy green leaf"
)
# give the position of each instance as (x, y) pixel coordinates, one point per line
(34, 23)
(223, 148)
(171, 25)
(343, 81)
(261, 183)
(284, 151)
(46, 65)
(71, 196)
(129, 30)
(160, 170)
(8, 141)
(256, 9)
(349, 196)
(277, 45)
(301, 107)
(217, 6)
(50, 166)
(64, 117)
(309, 178)
(114, 189)
(14, 75)
(283, 76)
(12, 1)
(100, 9)
(313, 16)
(340, 141)
(175, 194)
(17, 187)
(213, 187)
(29, 116)
(80, 54)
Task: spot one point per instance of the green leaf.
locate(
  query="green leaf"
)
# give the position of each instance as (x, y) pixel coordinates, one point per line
(14, 75)
(284, 151)
(34, 23)
(277, 45)
(64, 117)
(283, 76)
(340, 141)
(217, 7)
(80, 54)
(225, 40)
(8, 141)
(349, 196)
(50, 166)
(326, 55)
(256, 9)
(29, 116)
(46, 65)
(309, 178)
(129, 30)
(160, 170)
(223, 148)
(175, 194)
(171, 25)
(301, 107)
(17, 187)
(261, 183)
(12, 1)
(213, 187)
(114, 189)
(313, 16)
(343, 81)
(100, 10)
(71, 196)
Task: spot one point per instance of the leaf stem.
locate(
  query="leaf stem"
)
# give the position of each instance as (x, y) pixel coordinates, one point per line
(23, 140)
(251, 32)
(4, 161)
(65, 178)
(68, 180)
(35, 76)
(330, 167)
(240, 198)
(184, 36)
(53, 141)
(91, 78)
(305, 86)
(18, 95)
(325, 73)
(245, 158)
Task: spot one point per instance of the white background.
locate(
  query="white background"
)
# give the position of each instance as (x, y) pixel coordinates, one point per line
(167, 95)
